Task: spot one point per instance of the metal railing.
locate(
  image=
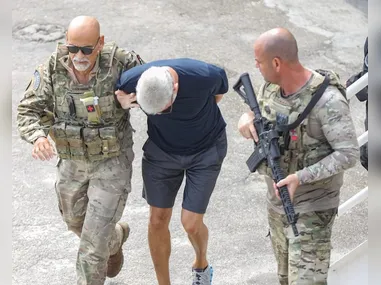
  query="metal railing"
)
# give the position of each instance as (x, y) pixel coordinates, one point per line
(358, 85)
(362, 139)
(360, 196)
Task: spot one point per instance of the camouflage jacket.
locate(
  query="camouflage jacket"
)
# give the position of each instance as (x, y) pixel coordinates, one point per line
(323, 146)
(43, 104)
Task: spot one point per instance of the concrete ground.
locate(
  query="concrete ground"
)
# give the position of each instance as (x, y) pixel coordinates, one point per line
(330, 35)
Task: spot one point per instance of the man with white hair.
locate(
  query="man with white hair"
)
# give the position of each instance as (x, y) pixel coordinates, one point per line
(186, 136)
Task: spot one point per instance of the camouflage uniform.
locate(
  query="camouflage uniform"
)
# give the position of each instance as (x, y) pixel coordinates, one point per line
(318, 151)
(303, 260)
(93, 139)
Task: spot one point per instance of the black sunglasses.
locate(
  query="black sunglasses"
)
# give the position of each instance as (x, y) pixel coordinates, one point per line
(86, 50)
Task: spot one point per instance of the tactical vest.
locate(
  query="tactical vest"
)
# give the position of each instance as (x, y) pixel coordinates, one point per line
(298, 148)
(87, 116)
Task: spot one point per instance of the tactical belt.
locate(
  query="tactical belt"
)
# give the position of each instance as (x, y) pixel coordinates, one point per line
(82, 143)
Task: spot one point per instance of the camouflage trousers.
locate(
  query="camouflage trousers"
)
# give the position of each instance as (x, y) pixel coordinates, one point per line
(91, 198)
(303, 260)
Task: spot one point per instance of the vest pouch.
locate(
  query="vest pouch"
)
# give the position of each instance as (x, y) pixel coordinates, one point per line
(107, 105)
(293, 164)
(284, 162)
(77, 147)
(92, 108)
(110, 142)
(62, 144)
(277, 109)
(93, 142)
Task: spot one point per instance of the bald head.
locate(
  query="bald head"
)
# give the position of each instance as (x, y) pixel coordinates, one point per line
(278, 42)
(84, 32)
(83, 27)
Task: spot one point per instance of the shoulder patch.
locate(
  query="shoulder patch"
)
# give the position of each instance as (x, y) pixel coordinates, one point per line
(36, 80)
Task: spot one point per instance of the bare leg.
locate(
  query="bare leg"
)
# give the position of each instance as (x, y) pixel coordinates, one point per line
(159, 240)
(198, 235)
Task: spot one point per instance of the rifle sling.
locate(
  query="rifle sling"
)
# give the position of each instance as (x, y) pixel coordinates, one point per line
(315, 98)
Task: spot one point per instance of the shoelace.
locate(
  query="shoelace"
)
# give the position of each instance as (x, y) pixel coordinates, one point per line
(198, 276)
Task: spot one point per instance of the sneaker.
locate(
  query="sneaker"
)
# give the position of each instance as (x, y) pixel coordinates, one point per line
(202, 277)
(115, 262)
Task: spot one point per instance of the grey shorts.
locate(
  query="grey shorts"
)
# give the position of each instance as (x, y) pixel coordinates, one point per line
(163, 174)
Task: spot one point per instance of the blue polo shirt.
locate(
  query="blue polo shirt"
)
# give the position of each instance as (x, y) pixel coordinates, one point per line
(195, 121)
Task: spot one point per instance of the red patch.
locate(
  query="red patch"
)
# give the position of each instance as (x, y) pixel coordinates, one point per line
(90, 108)
(294, 136)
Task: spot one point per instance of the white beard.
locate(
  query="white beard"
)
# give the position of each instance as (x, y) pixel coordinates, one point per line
(81, 64)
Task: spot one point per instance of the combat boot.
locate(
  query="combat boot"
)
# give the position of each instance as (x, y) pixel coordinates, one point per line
(115, 262)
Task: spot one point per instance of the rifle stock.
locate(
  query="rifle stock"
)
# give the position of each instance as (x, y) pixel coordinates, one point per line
(267, 147)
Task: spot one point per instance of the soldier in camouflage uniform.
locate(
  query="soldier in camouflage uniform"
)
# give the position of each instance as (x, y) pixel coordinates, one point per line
(71, 97)
(314, 157)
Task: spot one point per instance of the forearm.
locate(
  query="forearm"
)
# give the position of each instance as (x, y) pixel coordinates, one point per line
(334, 163)
(334, 120)
(337, 127)
(32, 123)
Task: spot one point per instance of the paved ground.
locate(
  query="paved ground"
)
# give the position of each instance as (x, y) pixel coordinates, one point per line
(330, 35)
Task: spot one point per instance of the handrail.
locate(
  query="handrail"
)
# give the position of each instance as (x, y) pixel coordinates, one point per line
(357, 86)
(362, 139)
(353, 201)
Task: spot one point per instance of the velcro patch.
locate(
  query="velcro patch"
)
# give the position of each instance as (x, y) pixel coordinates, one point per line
(36, 80)
(90, 108)
(281, 119)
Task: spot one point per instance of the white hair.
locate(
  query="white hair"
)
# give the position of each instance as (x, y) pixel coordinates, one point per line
(154, 89)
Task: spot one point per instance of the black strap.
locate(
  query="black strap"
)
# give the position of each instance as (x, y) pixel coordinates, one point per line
(307, 110)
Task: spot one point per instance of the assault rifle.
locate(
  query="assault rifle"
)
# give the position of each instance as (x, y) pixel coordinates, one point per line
(267, 147)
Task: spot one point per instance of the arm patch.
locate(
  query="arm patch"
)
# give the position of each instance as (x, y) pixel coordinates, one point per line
(36, 80)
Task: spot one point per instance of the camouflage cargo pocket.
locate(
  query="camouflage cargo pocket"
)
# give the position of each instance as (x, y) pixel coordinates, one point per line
(125, 162)
(326, 217)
